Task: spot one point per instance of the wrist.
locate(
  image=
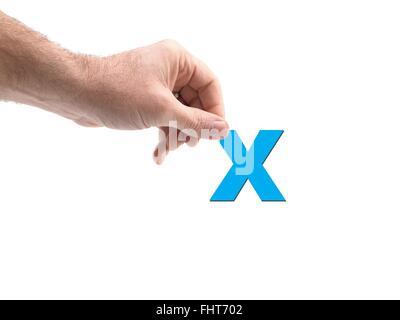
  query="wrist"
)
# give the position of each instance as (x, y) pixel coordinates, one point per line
(87, 78)
(64, 85)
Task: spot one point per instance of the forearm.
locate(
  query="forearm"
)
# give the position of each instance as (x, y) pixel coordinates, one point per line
(35, 71)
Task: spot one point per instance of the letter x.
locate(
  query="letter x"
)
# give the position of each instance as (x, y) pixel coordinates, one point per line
(259, 178)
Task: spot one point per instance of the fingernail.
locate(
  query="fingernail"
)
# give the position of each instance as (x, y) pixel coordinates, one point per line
(224, 132)
(220, 125)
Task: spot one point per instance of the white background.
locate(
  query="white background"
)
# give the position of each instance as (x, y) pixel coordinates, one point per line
(85, 213)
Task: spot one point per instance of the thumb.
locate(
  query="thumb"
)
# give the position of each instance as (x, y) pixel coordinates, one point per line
(197, 122)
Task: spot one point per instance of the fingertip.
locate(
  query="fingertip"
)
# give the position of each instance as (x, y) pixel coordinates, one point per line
(224, 133)
(220, 130)
(158, 156)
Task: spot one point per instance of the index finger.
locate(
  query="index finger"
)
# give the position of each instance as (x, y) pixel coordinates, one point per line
(208, 88)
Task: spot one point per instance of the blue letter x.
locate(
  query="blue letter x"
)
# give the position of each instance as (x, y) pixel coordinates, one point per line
(248, 165)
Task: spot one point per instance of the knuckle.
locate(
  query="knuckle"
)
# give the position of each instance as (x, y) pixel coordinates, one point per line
(199, 121)
(203, 123)
(184, 119)
(170, 43)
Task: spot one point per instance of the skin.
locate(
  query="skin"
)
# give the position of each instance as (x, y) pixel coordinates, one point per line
(161, 85)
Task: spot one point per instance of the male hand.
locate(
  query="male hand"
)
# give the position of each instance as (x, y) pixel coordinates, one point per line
(161, 85)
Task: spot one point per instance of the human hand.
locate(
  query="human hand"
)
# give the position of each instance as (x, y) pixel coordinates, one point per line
(130, 90)
(135, 90)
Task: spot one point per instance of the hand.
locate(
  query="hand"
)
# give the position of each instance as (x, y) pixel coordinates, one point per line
(135, 90)
(161, 85)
